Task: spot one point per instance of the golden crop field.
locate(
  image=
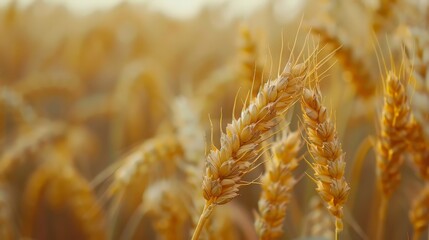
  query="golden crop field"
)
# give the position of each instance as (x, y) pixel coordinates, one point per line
(270, 119)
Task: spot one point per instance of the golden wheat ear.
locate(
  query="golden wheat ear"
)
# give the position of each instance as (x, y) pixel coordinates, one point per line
(392, 141)
(240, 144)
(277, 184)
(325, 148)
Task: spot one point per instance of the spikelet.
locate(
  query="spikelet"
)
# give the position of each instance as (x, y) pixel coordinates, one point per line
(384, 14)
(27, 144)
(360, 75)
(318, 221)
(277, 184)
(419, 213)
(391, 142)
(141, 161)
(7, 229)
(249, 69)
(165, 202)
(325, 148)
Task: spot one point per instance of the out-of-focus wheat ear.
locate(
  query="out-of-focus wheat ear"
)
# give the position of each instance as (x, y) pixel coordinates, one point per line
(384, 15)
(391, 142)
(240, 143)
(140, 85)
(39, 86)
(162, 150)
(318, 221)
(249, 70)
(419, 147)
(81, 201)
(7, 229)
(361, 77)
(419, 213)
(32, 198)
(165, 202)
(13, 102)
(190, 133)
(26, 145)
(277, 184)
(325, 148)
(417, 49)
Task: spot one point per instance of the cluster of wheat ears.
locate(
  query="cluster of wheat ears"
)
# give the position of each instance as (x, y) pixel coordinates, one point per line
(128, 123)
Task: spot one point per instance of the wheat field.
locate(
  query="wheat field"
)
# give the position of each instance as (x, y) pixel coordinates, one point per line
(271, 119)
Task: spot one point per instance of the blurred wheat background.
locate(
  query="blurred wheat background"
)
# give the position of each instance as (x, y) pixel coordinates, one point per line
(204, 119)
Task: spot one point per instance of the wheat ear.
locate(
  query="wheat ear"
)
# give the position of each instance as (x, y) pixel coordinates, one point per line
(419, 213)
(360, 76)
(391, 143)
(318, 220)
(26, 144)
(277, 184)
(140, 162)
(325, 148)
(239, 145)
(169, 218)
(249, 69)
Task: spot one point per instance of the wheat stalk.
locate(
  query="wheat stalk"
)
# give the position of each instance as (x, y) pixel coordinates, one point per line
(277, 184)
(325, 148)
(239, 145)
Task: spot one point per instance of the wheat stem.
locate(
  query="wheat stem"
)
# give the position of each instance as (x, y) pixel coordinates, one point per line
(208, 209)
(382, 218)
